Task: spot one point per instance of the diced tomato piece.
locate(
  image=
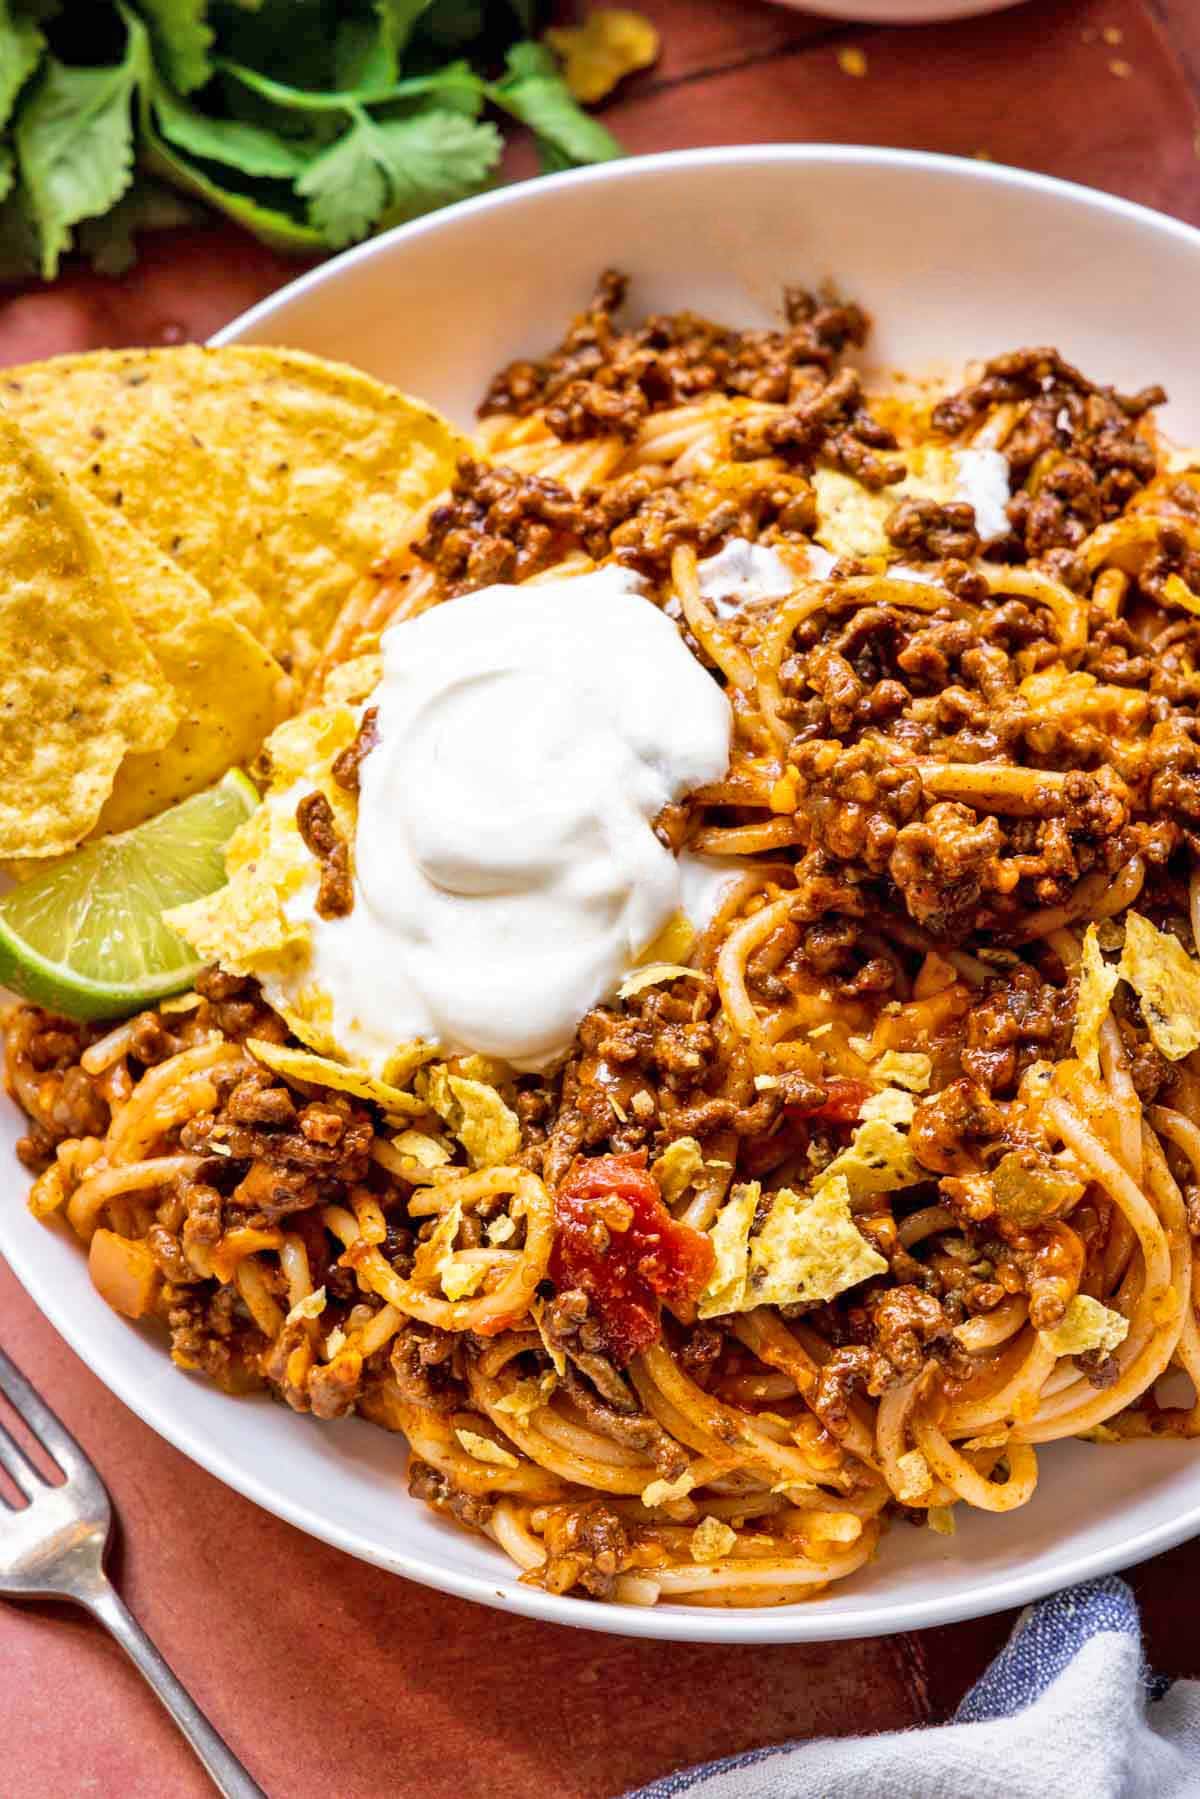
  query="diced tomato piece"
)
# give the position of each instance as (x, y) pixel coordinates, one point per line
(617, 1241)
(843, 1101)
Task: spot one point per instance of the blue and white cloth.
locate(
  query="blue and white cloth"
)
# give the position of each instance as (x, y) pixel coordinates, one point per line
(1068, 1710)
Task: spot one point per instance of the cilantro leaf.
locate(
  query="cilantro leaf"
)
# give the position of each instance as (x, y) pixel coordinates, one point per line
(345, 187)
(75, 144)
(182, 39)
(250, 148)
(455, 86)
(534, 92)
(434, 158)
(269, 224)
(21, 46)
(385, 171)
(367, 52)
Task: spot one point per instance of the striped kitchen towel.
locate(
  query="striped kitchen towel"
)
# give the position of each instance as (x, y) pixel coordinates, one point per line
(1068, 1710)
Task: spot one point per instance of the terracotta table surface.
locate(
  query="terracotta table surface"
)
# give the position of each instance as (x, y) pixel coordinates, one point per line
(328, 1677)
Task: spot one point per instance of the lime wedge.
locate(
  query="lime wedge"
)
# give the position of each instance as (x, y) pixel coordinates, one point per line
(86, 936)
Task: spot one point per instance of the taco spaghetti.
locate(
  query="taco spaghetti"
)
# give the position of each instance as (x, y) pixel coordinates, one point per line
(858, 1191)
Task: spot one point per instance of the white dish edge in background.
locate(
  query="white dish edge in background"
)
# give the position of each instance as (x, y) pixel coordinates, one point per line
(955, 260)
(899, 12)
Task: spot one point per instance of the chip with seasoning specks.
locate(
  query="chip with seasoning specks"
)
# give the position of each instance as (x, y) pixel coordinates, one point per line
(79, 689)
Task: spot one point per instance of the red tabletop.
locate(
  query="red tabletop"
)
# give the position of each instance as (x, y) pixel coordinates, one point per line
(327, 1676)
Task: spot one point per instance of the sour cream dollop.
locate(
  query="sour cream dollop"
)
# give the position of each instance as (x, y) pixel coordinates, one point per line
(507, 874)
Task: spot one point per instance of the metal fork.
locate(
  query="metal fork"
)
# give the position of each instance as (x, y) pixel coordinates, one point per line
(54, 1548)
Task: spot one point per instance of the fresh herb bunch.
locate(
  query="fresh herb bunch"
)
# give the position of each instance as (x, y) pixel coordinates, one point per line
(310, 122)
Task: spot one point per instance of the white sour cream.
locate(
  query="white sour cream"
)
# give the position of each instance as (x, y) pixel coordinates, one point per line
(507, 874)
(983, 483)
(742, 571)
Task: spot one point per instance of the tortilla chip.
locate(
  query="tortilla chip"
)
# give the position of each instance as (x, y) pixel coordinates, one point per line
(903, 1068)
(711, 1540)
(1167, 982)
(916, 1480)
(230, 692)
(809, 1248)
(78, 687)
(487, 1129)
(1097, 983)
(730, 1238)
(877, 1159)
(250, 926)
(482, 1449)
(892, 1104)
(329, 463)
(525, 1397)
(146, 460)
(851, 518)
(1087, 1325)
(430, 1152)
(653, 975)
(677, 1168)
(302, 1065)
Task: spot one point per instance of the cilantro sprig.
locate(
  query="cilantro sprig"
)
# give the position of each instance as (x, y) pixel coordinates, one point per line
(312, 123)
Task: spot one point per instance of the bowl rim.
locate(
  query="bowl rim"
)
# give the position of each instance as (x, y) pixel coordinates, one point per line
(785, 1624)
(634, 168)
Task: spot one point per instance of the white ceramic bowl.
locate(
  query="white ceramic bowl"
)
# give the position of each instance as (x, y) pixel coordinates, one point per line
(955, 260)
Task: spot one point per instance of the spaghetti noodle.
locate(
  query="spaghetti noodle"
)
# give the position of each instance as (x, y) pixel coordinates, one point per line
(958, 771)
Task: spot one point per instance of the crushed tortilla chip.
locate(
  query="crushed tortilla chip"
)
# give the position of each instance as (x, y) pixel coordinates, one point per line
(482, 1449)
(666, 1492)
(460, 1278)
(877, 1159)
(250, 926)
(677, 1168)
(435, 1260)
(730, 1238)
(809, 1248)
(711, 1540)
(335, 1342)
(525, 1397)
(611, 43)
(832, 1527)
(430, 1152)
(940, 1518)
(1087, 1325)
(1097, 983)
(852, 519)
(303, 1065)
(903, 1068)
(352, 682)
(892, 1104)
(501, 1228)
(1167, 982)
(916, 1481)
(311, 1306)
(180, 1002)
(653, 975)
(488, 1130)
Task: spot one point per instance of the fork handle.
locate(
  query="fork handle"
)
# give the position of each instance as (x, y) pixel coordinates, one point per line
(228, 1774)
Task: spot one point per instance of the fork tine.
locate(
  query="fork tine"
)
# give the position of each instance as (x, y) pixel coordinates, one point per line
(54, 1437)
(18, 1465)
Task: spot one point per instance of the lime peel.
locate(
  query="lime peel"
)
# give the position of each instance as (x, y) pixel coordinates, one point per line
(86, 936)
